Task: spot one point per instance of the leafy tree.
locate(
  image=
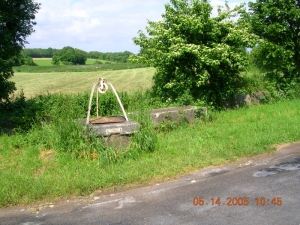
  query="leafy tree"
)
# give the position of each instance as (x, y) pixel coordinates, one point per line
(70, 56)
(16, 23)
(48, 53)
(40, 53)
(94, 55)
(196, 56)
(277, 23)
(111, 56)
(22, 59)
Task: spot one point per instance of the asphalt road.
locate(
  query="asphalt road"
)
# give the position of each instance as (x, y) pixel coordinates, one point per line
(259, 190)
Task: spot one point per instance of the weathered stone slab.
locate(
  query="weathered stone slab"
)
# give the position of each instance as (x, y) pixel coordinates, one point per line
(174, 114)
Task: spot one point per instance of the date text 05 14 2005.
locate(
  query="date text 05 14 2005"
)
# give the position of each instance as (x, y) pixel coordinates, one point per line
(237, 201)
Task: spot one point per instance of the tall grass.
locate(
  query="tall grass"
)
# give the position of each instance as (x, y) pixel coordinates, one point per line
(56, 158)
(56, 120)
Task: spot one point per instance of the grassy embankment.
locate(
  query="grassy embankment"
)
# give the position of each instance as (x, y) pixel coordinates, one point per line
(34, 166)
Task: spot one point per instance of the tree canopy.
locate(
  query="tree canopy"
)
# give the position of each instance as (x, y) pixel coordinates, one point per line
(110, 56)
(50, 52)
(22, 59)
(196, 56)
(70, 56)
(16, 23)
(40, 53)
(277, 23)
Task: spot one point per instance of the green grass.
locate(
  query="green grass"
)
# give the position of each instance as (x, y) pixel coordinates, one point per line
(47, 61)
(32, 170)
(129, 80)
(90, 61)
(43, 61)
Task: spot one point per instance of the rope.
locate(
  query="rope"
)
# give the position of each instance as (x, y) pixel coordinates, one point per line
(90, 104)
(102, 88)
(120, 103)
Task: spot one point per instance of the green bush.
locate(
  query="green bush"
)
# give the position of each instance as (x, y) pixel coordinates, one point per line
(196, 56)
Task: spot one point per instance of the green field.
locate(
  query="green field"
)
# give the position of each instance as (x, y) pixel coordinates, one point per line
(74, 82)
(47, 61)
(43, 61)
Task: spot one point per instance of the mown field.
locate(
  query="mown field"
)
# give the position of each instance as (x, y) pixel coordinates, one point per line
(130, 80)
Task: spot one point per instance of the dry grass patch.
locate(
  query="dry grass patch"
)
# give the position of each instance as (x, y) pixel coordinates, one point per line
(47, 156)
(48, 159)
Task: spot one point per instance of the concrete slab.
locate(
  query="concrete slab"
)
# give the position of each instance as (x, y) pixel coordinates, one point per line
(107, 129)
(175, 114)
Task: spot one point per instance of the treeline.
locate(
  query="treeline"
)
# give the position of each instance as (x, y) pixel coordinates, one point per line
(50, 52)
(40, 53)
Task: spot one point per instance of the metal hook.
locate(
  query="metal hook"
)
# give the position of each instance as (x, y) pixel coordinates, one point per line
(102, 88)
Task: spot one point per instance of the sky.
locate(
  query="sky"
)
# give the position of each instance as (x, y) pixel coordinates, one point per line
(96, 25)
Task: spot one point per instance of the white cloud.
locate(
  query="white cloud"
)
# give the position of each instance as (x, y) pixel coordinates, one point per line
(105, 26)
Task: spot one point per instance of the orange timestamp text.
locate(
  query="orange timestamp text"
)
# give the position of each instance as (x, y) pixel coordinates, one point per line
(237, 201)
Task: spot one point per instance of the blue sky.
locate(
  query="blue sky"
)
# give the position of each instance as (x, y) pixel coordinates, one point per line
(96, 25)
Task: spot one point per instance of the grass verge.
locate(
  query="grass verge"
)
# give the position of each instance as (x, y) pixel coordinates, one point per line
(32, 170)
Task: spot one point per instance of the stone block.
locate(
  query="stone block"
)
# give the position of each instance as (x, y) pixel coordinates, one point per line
(117, 141)
(242, 100)
(174, 114)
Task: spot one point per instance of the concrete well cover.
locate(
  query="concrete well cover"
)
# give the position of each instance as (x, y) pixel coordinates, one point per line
(113, 127)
